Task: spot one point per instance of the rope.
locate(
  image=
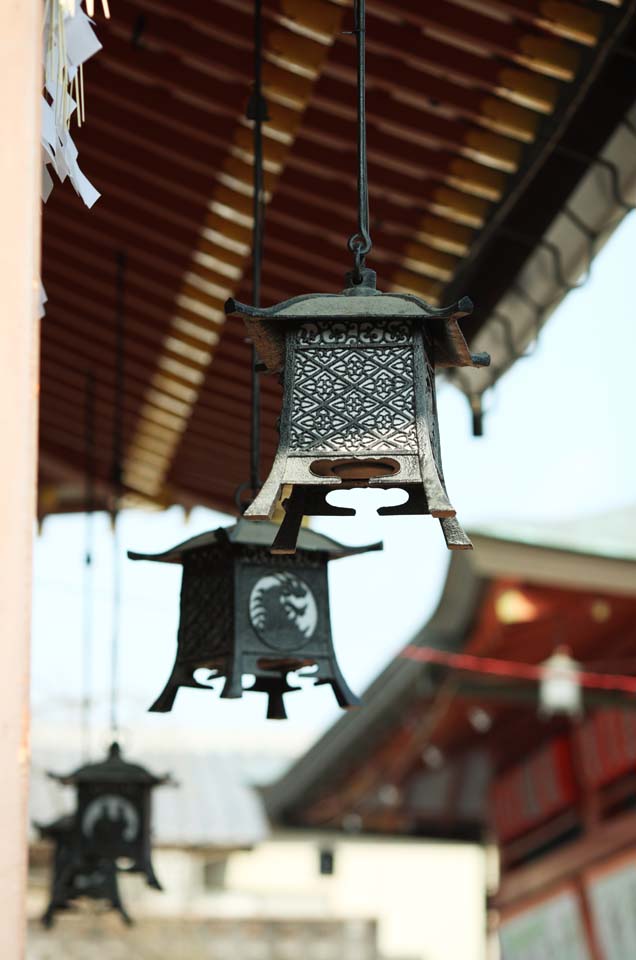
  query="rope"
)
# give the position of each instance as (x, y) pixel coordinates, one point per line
(509, 668)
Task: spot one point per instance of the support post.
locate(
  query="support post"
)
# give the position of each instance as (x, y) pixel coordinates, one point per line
(20, 179)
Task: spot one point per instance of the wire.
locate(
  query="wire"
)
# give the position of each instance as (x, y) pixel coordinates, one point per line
(509, 668)
(360, 243)
(117, 480)
(87, 628)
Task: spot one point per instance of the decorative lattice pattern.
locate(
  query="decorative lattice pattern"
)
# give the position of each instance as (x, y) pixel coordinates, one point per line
(356, 398)
(205, 627)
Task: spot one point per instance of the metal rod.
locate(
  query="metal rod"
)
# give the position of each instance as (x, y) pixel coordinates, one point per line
(87, 629)
(117, 480)
(360, 243)
(257, 112)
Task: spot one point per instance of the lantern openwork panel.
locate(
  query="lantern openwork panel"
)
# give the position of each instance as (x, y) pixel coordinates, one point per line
(359, 404)
(247, 612)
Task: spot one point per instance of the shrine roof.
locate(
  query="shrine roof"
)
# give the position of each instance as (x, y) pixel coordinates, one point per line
(506, 607)
(493, 129)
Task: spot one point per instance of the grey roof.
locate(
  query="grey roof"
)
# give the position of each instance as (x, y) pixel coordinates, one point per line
(611, 534)
(258, 534)
(208, 804)
(587, 553)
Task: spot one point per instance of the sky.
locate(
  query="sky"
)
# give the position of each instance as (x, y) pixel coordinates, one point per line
(559, 444)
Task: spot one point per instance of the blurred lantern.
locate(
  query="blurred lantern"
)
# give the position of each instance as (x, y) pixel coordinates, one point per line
(560, 691)
(76, 877)
(109, 833)
(359, 407)
(244, 611)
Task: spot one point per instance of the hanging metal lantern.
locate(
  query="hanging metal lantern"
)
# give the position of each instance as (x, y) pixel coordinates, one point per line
(244, 611)
(358, 375)
(76, 877)
(359, 406)
(113, 819)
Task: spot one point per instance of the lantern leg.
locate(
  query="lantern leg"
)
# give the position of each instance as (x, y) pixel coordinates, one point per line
(59, 888)
(287, 536)
(233, 688)
(305, 500)
(180, 677)
(436, 497)
(117, 904)
(151, 877)
(265, 502)
(48, 917)
(454, 534)
(343, 693)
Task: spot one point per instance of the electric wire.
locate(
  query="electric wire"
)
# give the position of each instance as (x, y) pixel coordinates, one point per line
(89, 545)
(117, 482)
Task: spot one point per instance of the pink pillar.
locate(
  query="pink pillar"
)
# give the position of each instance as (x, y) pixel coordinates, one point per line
(20, 90)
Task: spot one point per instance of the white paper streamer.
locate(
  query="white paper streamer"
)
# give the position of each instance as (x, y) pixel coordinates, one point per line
(69, 41)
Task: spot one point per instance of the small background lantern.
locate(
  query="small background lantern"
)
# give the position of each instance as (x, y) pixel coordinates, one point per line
(110, 831)
(560, 691)
(76, 877)
(244, 611)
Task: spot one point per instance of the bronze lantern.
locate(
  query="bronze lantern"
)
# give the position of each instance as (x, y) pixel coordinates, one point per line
(245, 611)
(359, 406)
(112, 823)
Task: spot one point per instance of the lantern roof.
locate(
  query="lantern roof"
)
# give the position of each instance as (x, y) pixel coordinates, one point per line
(250, 534)
(114, 769)
(363, 302)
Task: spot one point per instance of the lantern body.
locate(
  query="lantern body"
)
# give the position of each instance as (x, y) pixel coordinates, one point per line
(244, 611)
(112, 823)
(75, 878)
(359, 405)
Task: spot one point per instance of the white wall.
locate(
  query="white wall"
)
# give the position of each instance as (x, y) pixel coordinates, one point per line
(428, 898)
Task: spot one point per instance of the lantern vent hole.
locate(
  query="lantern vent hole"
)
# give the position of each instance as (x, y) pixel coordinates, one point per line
(203, 676)
(368, 499)
(356, 468)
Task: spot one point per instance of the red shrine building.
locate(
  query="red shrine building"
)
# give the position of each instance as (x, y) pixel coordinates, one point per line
(453, 755)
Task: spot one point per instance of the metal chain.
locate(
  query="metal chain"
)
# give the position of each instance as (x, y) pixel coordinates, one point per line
(360, 243)
(257, 112)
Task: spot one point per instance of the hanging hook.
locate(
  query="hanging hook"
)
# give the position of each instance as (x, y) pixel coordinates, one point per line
(360, 243)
